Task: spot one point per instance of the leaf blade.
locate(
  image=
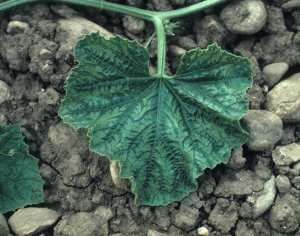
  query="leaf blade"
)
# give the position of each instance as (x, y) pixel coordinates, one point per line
(158, 129)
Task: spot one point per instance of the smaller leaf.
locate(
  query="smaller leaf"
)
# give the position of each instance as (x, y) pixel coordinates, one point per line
(20, 182)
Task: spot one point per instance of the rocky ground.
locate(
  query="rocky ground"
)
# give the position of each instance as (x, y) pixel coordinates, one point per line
(256, 193)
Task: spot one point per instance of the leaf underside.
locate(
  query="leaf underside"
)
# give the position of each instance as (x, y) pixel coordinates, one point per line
(20, 181)
(164, 132)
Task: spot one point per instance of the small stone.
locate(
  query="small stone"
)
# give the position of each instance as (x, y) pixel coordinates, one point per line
(223, 218)
(264, 199)
(49, 97)
(209, 31)
(286, 155)
(249, 17)
(236, 160)
(17, 25)
(296, 182)
(104, 213)
(155, 233)
(46, 54)
(4, 230)
(283, 183)
(114, 172)
(82, 223)
(275, 20)
(176, 51)
(287, 107)
(187, 217)
(265, 129)
(291, 5)
(4, 92)
(202, 231)
(238, 182)
(32, 220)
(133, 25)
(274, 72)
(283, 217)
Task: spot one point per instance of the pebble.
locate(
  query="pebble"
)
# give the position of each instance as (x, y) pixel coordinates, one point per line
(17, 25)
(32, 220)
(224, 217)
(187, 218)
(274, 72)
(291, 5)
(283, 99)
(82, 223)
(286, 155)
(176, 51)
(283, 183)
(114, 172)
(4, 230)
(202, 231)
(48, 97)
(4, 92)
(236, 160)
(249, 17)
(238, 182)
(133, 25)
(283, 217)
(264, 199)
(265, 129)
(155, 233)
(296, 182)
(46, 54)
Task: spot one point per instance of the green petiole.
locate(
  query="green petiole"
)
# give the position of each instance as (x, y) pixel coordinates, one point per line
(157, 18)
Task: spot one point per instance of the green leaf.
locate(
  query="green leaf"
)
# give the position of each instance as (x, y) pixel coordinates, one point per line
(20, 182)
(164, 132)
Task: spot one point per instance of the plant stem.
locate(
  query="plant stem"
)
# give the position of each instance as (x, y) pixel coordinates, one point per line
(156, 18)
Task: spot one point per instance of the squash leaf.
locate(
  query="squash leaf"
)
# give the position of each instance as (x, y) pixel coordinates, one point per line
(20, 182)
(164, 132)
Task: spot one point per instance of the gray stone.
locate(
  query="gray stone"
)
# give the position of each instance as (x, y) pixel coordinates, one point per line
(155, 233)
(223, 216)
(30, 221)
(274, 72)
(104, 213)
(296, 182)
(187, 217)
(49, 97)
(4, 92)
(133, 25)
(202, 231)
(275, 20)
(209, 31)
(4, 230)
(236, 160)
(264, 199)
(83, 224)
(283, 183)
(291, 5)
(239, 183)
(15, 26)
(265, 129)
(283, 99)
(283, 215)
(286, 155)
(249, 17)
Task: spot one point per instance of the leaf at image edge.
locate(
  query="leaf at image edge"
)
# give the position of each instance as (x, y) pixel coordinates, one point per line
(20, 181)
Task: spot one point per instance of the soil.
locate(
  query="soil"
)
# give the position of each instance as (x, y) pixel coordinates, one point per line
(35, 60)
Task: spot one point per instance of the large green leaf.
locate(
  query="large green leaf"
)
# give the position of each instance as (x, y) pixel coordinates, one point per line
(20, 182)
(163, 131)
